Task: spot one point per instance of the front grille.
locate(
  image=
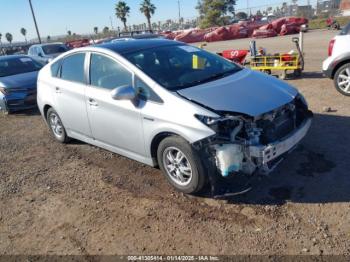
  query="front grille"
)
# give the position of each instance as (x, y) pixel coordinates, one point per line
(285, 121)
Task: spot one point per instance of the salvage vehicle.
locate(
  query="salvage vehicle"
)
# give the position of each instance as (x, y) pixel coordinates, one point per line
(337, 65)
(18, 78)
(164, 103)
(44, 53)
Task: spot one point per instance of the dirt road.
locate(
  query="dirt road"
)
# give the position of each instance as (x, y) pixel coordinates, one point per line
(78, 199)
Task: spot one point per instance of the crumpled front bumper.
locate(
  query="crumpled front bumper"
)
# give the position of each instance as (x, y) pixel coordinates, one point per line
(269, 153)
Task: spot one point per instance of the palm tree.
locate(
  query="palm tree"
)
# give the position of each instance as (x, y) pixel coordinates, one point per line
(24, 33)
(105, 30)
(69, 32)
(122, 11)
(9, 37)
(96, 30)
(48, 38)
(1, 51)
(148, 9)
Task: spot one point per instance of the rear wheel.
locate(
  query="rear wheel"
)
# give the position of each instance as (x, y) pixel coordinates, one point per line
(56, 126)
(342, 79)
(181, 165)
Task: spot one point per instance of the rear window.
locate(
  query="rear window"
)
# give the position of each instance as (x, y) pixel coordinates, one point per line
(54, 49)
(73, 68)
(20, 65)
(346, 30)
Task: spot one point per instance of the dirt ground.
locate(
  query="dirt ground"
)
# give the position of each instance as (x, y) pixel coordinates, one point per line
(78, 199)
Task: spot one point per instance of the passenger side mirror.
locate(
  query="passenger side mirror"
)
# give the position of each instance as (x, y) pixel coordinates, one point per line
(123, 93)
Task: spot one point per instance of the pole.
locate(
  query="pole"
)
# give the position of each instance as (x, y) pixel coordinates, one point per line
(36, 25)
(178, 2)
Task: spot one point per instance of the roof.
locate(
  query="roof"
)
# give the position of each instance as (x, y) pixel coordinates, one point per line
(125, 47)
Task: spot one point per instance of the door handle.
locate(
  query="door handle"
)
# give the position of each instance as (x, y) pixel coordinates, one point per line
(58, 90)
(92, 102)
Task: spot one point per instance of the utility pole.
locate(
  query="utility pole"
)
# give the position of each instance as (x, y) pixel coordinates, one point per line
(36, 25)
(178, 3)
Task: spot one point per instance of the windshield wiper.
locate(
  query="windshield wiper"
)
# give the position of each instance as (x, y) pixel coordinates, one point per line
(209, 79)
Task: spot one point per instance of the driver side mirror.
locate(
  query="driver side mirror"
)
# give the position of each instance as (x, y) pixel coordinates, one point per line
(123, 93)
(40, 54)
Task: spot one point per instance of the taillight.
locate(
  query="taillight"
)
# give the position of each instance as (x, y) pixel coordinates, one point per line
(330, 47)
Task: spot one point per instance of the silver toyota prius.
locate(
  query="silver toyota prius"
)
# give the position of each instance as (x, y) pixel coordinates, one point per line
(174, 106)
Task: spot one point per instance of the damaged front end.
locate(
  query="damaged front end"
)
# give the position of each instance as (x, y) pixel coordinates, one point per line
(247, 145)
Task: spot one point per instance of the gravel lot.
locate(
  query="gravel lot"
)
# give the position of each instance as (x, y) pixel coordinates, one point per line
(78, 199)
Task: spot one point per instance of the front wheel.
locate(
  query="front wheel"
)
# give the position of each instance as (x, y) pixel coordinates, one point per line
(342, 79)
(181, 165)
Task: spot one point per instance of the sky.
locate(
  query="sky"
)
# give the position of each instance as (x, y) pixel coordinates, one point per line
(56, 17)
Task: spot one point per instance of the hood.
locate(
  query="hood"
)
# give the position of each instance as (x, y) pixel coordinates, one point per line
(26, 80)
(247, 92)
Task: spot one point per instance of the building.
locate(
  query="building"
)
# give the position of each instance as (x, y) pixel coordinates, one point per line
(305, 11)
(345, 7)
(327, 6)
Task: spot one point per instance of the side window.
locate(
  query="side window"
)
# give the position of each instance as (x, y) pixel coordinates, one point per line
(55, 68)
(73, 68)
(107, 73)
(145, 92)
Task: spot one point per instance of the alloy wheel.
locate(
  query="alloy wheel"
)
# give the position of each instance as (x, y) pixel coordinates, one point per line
(344, 80)
(56, 125)
(177, 166)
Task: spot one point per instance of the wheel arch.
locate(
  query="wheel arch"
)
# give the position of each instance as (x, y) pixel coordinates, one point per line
(339, 65)
(157, 139)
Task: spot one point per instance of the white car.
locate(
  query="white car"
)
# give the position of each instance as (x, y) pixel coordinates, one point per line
(179, 107)
(337, 65)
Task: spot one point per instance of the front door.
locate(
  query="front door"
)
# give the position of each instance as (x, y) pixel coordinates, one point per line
(114, 123)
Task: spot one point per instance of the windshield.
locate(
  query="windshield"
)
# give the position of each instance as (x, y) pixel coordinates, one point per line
(54, 49)
(182, 66)
(15, 66)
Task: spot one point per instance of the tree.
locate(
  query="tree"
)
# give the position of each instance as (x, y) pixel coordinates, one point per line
(213, 12)
(69, 32)
(122, 11)
(9, 37)
(105, 30)
(96, 30)
(48, 38)
(241, 16)
(24, 33)
(148, 9)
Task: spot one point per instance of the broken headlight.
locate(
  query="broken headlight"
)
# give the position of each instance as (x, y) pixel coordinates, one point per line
(226, 127)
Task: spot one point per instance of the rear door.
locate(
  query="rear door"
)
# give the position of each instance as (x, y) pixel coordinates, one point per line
(70, 86)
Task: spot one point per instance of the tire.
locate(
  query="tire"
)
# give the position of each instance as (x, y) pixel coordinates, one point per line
(56, 127)
(192, 179)
(342, 80)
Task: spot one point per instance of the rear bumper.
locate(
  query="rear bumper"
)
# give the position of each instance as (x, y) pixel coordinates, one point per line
(269, 153)
(327, 67)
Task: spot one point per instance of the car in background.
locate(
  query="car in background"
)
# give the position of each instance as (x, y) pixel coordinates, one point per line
(78, 43)
(18, 77)
(44, 53)
(337, 65)
(135, 35)
(164, 103)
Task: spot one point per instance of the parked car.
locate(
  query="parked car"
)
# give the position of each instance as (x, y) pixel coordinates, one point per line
(18, 78)
(44, 53)
(168, 104)
(337, 65)
(135, 35)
